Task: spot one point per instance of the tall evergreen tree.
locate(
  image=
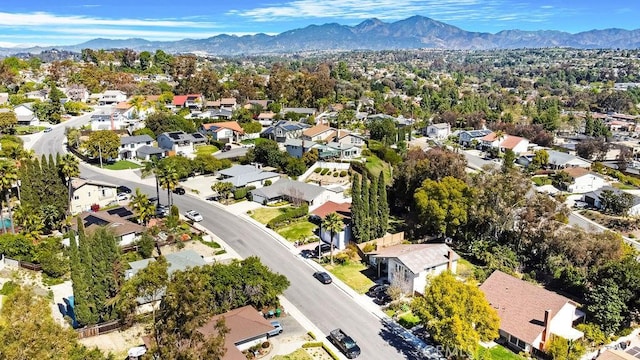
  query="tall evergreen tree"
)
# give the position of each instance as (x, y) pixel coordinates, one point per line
(364, 186)
(383, 206)
(356, 207)
(373, 208)
(84, 306)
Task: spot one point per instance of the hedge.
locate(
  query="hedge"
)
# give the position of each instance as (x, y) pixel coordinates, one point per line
(286, 217)
(317, 170)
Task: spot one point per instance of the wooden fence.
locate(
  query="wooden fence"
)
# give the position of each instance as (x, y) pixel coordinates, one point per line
(23, 264)
(98, 329)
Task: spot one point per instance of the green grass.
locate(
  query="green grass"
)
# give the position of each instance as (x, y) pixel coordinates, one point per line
(248, 141)
(375, 165)
(300, 354)
(623, 186)
(297, 231)
(541, 180)
(499, 353)
(122, 165)
(351, 274)
(264, 215)
(28, 129)
(206, 150)
(465, 268)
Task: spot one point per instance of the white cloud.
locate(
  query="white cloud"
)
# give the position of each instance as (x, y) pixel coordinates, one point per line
(18, 20)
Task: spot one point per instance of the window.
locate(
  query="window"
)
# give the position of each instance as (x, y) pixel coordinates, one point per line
(76, 197)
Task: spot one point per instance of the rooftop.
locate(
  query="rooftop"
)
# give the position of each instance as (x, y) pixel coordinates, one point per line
(418, 257)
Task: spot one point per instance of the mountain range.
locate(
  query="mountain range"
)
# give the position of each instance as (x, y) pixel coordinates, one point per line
(412, 33)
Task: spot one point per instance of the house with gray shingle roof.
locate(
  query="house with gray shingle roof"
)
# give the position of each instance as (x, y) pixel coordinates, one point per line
(409, 265)
(287, 189)
(283, 130)
(247, 175)
(129, 145)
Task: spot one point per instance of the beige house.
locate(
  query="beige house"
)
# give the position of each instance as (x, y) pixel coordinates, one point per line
(410, 265)
(530, 314)
(85, 193)
(318, 133)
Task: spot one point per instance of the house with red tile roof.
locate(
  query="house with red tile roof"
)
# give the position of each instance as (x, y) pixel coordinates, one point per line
(529, 314)
(341, 239)
(516, 144)
(226, 131)
(191, 101)
(584, 180)
(409, 266)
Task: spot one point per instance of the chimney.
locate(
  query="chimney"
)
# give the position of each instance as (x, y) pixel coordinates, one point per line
(450, 261)
(546, 333)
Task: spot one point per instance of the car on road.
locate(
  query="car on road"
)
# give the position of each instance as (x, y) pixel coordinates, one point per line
(345, 343)
(122, 197)
(179, 191)
(277, 329)
(48, 129)
(323, 277)
(193, 215)
(124, 189)
(152, 200)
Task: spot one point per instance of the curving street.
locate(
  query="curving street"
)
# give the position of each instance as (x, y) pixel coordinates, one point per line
(327, 306)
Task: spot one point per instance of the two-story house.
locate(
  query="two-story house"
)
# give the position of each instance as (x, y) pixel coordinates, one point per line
(111, 97)
(266, 118)
(191, 101)
(228, 131)
(129, 145)
(85, 193)
(77, 93)
(505, 142)
(25, 114)
(437, 131)
(283, 130)
(349, 138)
(318, 133)
(466, 138)
(180, 142)
(529, 314)
(229, 104)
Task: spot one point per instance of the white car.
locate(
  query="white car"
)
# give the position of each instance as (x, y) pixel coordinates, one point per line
(122, 197)
(193, 215)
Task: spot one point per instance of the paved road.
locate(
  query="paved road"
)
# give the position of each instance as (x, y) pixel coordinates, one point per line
(327, 306)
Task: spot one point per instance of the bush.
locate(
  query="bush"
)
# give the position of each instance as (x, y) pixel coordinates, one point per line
(366, 152)
(317, 170)
(335, 174)
(311, 335)
(9, 288)
(312, 344)
(265, 345)
(289, 215)
(240, 193)
(324, 171)
(343, 173)
(408, 320)
(369, 248)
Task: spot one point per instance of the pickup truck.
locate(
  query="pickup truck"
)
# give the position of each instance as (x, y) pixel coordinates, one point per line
(345, 343)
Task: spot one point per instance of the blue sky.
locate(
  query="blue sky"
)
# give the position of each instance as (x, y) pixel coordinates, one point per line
(61, 22)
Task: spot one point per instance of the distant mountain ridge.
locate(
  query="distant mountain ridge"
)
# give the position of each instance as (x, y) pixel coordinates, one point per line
(372, 34)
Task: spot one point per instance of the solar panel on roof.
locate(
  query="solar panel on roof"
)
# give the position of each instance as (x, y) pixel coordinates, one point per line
(121, 211)
(94, 220)
(197, 135)
(175, 135)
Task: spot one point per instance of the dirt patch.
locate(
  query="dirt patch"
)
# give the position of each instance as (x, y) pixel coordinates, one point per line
(118, 342)
(328, 178)
(318, 353)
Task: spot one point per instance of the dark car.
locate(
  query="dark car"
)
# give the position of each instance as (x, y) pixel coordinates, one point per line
(376, 289)
(179, 191)
(382, 298)
(162, 211)
(124, 189)
(323, 249)
(153, 200)
(323, 277)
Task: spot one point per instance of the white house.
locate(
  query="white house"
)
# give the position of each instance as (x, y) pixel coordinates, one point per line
(111, 97)
(113, 121)
(85, 193)
(76, 93)
(583, 180)
(247, 175)
(593, 198)
(341, 239)
(129, 145)
(318, 133)
(409, 265)
(125, 231)
(227, 131)
(181, 142)
(505, 142)
(529, 314)
(25, 114)
(347, 137)
(438, 131)
(292, 190)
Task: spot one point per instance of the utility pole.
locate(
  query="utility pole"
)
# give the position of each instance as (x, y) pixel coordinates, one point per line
(100, 152)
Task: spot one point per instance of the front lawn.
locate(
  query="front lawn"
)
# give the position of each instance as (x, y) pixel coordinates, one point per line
(122, 165)
(264, 215)
(498, 353)
(22, 129)
(300, 354)
(352, 274)
(297, 231)
(206, 150)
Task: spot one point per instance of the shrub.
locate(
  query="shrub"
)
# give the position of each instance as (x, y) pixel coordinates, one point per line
(312, 344)
(369, 248)
(95, 207)
(289, 215)
(317, 170)
(343, 173)
(265, 345)
(268, 182)
(311, 335)
(240, 193)
(366, 152)
(335, 174)
(408, 320)
(8, 288)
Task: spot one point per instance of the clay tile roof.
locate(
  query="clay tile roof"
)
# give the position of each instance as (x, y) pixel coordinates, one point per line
(520, 305)
(489, 137)
(123, 105)
(343, 210)
(576, 172)
(511, 141)
(316, 130)
(179, 100)
(232, 125)
(616, 355)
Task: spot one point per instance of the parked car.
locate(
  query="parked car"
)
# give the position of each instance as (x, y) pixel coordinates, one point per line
(124, 189)
(345, 343)
(323, 248)
(382, 298)
(376, 289)
(162, 211)
(193, 215)
(48, 129)
(323, 277)
(179, 191)
(153, 200)
(278, 329)
(122, 197)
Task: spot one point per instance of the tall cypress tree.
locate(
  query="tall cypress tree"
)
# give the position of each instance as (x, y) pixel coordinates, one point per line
(356, 207)
(364, 186)
(373, 208)
(383, 206)
(84, 304)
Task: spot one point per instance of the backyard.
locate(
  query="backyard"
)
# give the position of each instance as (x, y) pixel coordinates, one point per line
(375, 165)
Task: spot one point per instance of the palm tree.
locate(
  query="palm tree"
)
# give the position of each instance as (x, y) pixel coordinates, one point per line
(168, 179)
(8, 179)
(69, 167)
(30, 221)
(143, 208)
(333, 223)
(151, 167)
(499, 135)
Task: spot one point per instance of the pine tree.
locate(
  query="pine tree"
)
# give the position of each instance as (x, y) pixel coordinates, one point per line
(364, 186)
(373, 208)
(383, 205)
